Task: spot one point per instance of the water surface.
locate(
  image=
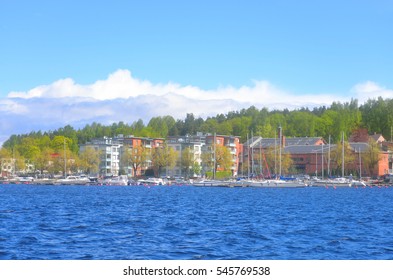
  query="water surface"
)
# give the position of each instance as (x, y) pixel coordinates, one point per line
(184, 222)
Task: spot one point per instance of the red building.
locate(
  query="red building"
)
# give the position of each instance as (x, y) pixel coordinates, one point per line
(310, 155)
(133, 142)
(232, 143)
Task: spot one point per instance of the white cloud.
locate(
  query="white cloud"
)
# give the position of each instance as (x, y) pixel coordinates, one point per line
(122, 97)
(370, 90)
(121, 84)
(12, 106)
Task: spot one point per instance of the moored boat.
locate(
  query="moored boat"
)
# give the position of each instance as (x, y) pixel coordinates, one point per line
(337, 182)
(116, 181)
(73, 180)
(277, 184)
(211, 183)
(151, 182)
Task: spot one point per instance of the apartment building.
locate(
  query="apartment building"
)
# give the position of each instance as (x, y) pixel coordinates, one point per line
(109, 150)
(180, 144)
(232, 143)
(140, 148)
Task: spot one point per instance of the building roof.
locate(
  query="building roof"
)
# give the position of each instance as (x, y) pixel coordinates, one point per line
(302, 140)
(318, 149)
(306, 149)
(258, 141)
(377, 138)
(359, 147)
(191, 139)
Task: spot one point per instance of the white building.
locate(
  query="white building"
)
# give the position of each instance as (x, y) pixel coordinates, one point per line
(109, 153)
(7, 167)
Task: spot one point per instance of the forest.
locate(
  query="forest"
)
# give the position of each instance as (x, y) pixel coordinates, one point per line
(375, 115)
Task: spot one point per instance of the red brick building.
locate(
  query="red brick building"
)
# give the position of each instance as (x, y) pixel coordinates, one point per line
(310, 155)
(232, 143)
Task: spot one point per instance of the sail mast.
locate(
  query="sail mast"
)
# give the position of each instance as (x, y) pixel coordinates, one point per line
(214, 156)
(65, 159)
(260, 158)
(360, 165)
(280, 143)
(248, 157)
(252, 153)
(322, 161)
(329, 158)
(342, 167)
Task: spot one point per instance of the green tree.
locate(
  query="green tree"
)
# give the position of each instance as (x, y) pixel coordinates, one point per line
(28, 148)
(272, 157)
(163, 156)
(224, 128)
(338, 158)
(65, 160)
(196, 169)
(301, 123)
(371, 157)
(43, 142)
(188, 161)
(377, 115)
(135, 157)
(20, 161)
(217, 157)
(158, 126)
(209, 125)
(240, 126)
(286, 163)
(90, 160)
(223, 158)
(5, 155)
(45, 159)
(171, 124)
(326, 123)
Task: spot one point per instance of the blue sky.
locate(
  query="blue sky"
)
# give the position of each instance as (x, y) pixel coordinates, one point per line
(303, 46)
(290, 49)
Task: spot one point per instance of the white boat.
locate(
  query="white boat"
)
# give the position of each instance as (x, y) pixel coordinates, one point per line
(151, 182)
(21, 180)
(337, 182)
(116, 181)
(276, 184)
(237, 183)
(356, 184)
(254, 183)
(211, 183)
(73, 180)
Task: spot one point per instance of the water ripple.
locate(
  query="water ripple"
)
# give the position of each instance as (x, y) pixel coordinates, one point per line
(44, 222)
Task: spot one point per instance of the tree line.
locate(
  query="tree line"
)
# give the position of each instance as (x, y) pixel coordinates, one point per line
(376, 115)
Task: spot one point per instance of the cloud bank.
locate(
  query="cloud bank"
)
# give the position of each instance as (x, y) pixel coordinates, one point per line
(122, 97)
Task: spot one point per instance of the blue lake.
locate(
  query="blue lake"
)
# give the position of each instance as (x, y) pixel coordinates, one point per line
(184, 222)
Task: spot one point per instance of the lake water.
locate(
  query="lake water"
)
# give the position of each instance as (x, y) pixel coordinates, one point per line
(184, 222)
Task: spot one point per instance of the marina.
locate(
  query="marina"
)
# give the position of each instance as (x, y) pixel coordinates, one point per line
(243, 183)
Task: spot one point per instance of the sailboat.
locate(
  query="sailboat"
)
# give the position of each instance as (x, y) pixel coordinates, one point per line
(278, 182)
(341, 181)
